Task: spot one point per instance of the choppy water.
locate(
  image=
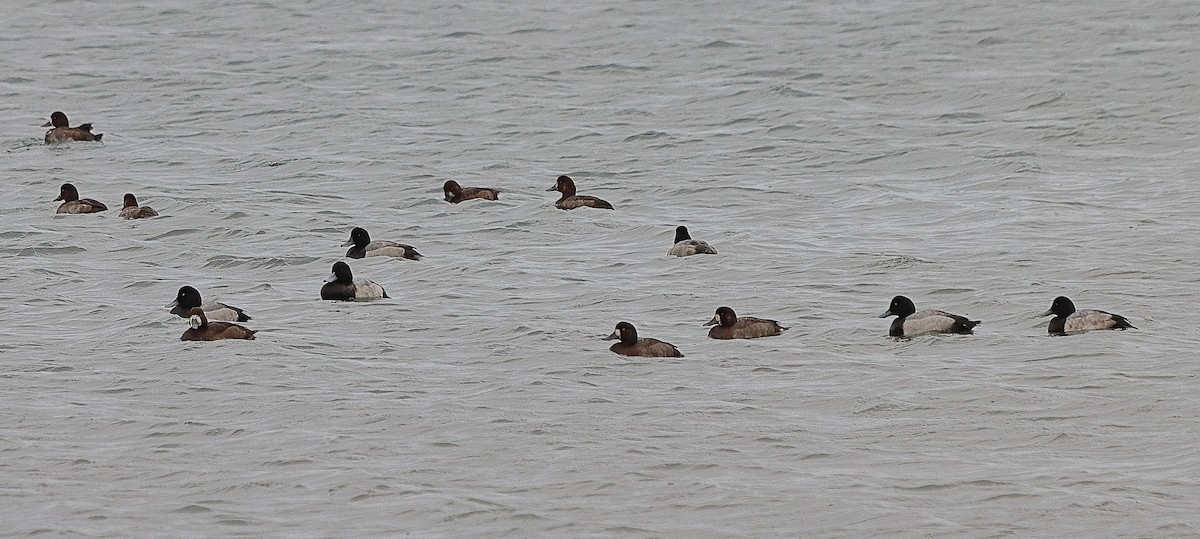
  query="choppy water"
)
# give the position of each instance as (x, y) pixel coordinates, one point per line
(980, 157)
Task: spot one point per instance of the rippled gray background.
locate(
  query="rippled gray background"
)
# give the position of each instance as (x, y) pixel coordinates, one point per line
(980, 157)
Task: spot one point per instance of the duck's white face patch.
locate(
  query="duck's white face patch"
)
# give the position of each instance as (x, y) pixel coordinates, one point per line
(194, 322)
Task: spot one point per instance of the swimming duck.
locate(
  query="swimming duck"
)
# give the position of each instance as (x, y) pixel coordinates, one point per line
(686, 246)
(203, 330)
(73, 204)
(188, 298)
(456, 193)
(631, 345)
(62, 130)
(131, 210)
(341, 285)
(1067, 320)
(363, 246)
(570, 200)
(727, 325)
(909, 322)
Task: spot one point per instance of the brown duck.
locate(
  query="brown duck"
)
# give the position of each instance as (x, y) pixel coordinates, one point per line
(456, 193)
(570, 200)
(727, 325)
(73, 204)
(62, 131)
(631, 345)
(131, 210)
(203, 330)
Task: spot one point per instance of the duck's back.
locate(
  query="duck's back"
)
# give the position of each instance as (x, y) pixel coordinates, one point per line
(215, 310)
(1092, 319)
(384, 248)
(582, 201)
(81, 133)
(747, 327)
(138, 212)
(216, 331)
(365, 289)
(360, 289)
(83, 205)
(932, 321)
(484, 193)
(647, 347)
(691, 247)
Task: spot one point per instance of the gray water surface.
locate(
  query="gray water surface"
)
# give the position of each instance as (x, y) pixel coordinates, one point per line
(978, 157)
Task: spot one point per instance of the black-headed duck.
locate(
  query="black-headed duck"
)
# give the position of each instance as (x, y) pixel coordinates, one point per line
(1068, 321)
(456, 193)
(341, 285)
(570, 200)
(363, 246)
(131, 210)
(909, 322)
(631, 345)
(203, 330)
(62, 131)
(73, 204)
(727, 325)
(686, 246)
(188, 298)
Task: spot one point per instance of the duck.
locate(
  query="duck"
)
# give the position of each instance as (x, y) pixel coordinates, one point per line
(363, 246)
(686, 246)
(203, 330)
(570, 200)
(456, 193)
(909, 322)
(73, 204)
(727, 325)
(1068, 321)
(62, 131)
(631, 345)
(188, 298)
(131, 210)
(341, 285)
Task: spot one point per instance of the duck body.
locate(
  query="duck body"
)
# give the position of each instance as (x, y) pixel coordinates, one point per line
(456, 193)
(342, 286)
(203, 330)
(61, 130)
(73, 204)
(131, 210)
(728, 325)
(686, 246)
(189, 298)
(1068, 321)
(364, 247)
(569, 200)
(910, 322)
(631, 345)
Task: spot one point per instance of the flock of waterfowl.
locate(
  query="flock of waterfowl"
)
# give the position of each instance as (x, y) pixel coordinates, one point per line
(216, 321)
